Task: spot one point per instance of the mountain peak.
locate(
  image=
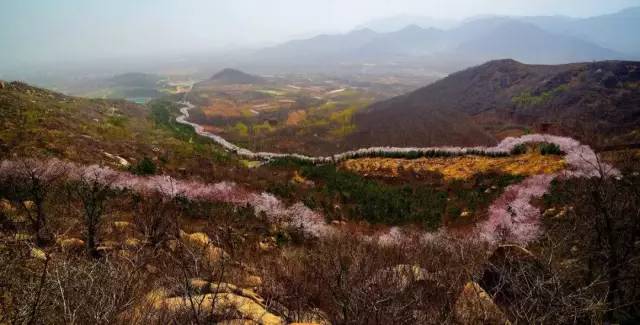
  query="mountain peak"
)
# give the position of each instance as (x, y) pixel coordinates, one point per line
(503, 62)
(412, 27)
(234, 76)
(362, 31)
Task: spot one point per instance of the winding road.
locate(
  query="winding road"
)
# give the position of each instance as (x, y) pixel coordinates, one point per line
(365, 152)
(581, 159)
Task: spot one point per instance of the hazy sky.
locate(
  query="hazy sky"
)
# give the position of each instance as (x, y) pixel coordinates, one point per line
(53, 30)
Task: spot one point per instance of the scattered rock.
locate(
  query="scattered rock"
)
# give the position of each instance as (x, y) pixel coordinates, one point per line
(121, 161)
(237, 322)
(29, 205)
(197, 239)
(475, 306)
(132, 243)
(403, 275)
(266, 246)
(38, 253)
(172, 244)
(221, 299)
(201, 242)
(22, 237)
(222, 304)
(549, 212)
(151, 268)
(251, 281)
(122, 226)
(568, 263)
(6, 206)
(105, 249)
(71, 245)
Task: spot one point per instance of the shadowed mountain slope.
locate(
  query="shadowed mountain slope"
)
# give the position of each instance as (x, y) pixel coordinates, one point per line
(233, 76)
(598, 102)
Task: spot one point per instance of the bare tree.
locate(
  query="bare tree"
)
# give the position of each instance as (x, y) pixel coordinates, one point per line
(28, 184)
(93, 187)
(157, 212)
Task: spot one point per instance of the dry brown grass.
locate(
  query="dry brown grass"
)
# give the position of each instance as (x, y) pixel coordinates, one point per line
(457, 167)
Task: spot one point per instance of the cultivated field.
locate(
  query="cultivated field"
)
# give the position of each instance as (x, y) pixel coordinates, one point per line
(292, 114)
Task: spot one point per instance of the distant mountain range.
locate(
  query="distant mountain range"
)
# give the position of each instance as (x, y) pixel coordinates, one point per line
(395, 23)
(534, 40)
(597, 102)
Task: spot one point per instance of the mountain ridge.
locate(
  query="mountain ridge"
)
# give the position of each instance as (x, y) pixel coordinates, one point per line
(556, 40)
(234, 76)
(505, 96)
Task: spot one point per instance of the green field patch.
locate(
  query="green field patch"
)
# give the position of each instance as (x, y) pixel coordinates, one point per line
(527, 99)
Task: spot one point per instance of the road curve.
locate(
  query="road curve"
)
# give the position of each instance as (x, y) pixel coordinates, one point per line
(365, 152)
(581, 159)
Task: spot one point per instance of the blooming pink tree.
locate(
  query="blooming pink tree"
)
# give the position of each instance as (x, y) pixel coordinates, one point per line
(511, 215)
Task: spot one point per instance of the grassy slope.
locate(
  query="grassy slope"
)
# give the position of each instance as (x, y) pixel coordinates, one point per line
(39, 123)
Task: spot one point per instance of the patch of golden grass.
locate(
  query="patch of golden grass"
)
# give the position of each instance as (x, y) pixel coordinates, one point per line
(457, 167)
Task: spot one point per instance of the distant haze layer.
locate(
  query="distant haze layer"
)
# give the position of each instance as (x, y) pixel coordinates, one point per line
(37, 31)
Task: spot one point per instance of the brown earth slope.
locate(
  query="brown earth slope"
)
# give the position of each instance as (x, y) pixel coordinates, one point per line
(597, 102)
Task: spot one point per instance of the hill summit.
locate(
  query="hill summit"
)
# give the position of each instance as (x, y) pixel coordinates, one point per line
(233, 76)
(505, 98)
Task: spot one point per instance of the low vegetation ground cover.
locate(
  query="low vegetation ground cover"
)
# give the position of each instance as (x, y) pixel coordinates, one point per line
(452, 168)
(78, 251)
(40, 123)
(310, 118)
(429, 201)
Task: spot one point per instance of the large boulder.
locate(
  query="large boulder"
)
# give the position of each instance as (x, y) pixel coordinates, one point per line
(201, 243)
(475, 306)
(250, 281)
(219, 299)
(202, 286)
(38, 254)
(405, 274)
(6, 206)
(237, 322)
(70, 245)
(122, 226)
(196, 239)
(221, 304)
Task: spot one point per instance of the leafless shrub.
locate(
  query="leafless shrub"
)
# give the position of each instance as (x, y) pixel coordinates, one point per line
(29, 182)
(93, 188)
(154, 216)
(361, 282)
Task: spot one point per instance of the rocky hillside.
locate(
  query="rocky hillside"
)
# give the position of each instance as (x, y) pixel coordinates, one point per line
(500, 98)
(36, 122)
